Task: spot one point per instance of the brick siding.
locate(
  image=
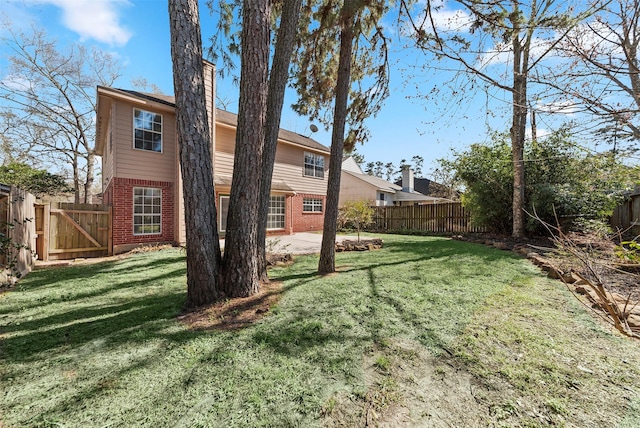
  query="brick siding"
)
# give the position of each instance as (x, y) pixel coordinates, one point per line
(306, 221)
(119, 194)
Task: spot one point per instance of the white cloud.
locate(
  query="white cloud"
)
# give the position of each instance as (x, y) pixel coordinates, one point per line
(540, 133)
(14, 82)
(501, 52)
(94, 19)
(451, 20)
(597, 38)
(562, 107)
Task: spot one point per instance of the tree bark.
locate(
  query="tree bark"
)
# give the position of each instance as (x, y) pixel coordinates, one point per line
(240, 266)
(519, 122)
(278, 78)
(328, 250)
(194, 139)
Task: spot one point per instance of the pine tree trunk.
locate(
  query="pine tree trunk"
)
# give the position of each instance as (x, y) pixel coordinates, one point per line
(327, 263)
(241, 245)
(194, 139)
(518, 128)
(275, 99)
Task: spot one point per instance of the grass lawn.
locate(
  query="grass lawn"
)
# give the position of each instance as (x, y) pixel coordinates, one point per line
(425, 332)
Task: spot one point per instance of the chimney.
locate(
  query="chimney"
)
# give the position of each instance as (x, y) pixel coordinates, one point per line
(407, 179)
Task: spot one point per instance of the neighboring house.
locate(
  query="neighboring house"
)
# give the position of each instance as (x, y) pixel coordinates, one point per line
(141, 180)
(429, 187)
(356, 185)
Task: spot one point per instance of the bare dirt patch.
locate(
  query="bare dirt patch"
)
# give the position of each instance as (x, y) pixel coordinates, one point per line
(237, 313)
(405, 385)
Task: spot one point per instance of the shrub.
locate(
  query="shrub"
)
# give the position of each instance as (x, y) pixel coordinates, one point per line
(560, 178)
(357, 213)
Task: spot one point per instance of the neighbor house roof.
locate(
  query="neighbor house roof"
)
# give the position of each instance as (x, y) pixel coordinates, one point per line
(417, 197)
(223, 117)
(379, 183)
(386, 186)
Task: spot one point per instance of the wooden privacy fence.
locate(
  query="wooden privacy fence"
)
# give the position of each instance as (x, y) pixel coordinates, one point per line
(16, 215)
(435, 218)
(627, 215)
(69, 231)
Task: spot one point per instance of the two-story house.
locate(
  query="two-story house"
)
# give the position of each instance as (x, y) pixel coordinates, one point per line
(141, 180)
(355, 185)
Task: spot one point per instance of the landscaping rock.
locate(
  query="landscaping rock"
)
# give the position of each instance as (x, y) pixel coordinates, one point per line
(363, 245)
(553, 273)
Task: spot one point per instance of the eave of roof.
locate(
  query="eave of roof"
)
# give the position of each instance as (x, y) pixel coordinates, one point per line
(417, 197)
(223, 117)
(379, 183)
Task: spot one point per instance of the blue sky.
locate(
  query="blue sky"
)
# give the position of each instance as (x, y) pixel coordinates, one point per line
(137, 31)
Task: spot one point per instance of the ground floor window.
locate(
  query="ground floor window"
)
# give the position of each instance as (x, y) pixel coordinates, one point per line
(223, 212)
(275, 219)
(147, 211)
(310, 205)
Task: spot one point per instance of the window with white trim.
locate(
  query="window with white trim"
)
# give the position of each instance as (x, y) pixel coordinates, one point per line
(147, 211)
(311, 205)
(313, 165)
(147, 130)
(275, 218)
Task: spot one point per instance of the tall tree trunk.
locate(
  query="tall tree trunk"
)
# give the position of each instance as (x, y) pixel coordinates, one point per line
(517, 148)
(240, 267)
(88, 183)
(278, 78)
(194, 139)
(76, 179)
(519, 123)
(327, 263)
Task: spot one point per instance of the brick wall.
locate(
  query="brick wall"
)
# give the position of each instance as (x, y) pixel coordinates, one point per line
(306, 221)
(119, 194)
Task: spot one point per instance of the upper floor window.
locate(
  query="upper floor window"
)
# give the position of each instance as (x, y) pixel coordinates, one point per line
(313, 165)
(147, 130)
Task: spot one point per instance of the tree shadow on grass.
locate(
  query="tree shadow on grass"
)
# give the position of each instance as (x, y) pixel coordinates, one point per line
(93, 309)
(71, 293)
(48, 276)
(304, 331)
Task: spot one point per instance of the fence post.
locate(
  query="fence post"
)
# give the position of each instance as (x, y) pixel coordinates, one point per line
(46, 227)
(110, 241)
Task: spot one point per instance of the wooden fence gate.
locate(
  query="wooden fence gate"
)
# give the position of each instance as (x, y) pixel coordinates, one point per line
(69, 231)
